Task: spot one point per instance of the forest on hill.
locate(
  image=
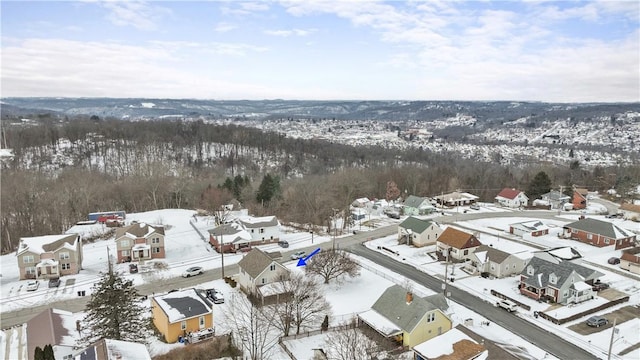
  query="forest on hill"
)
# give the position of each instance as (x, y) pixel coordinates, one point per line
(63, 169)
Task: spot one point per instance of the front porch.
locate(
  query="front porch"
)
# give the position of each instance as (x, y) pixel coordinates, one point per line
(47, 269)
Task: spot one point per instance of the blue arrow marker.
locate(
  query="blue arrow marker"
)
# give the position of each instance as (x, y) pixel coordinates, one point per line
(301, 261)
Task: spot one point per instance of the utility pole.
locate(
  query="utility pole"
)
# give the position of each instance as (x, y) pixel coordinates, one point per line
(613, 331)
(109, 266)
(221, 239)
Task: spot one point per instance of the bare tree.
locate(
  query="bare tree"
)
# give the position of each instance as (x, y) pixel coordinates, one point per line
(350, 344)
(253, 328)
(305, 307)
(332, 264)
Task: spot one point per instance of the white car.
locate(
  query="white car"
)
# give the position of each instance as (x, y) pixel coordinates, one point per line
(192, 271)
(298, 255)
(33, 285)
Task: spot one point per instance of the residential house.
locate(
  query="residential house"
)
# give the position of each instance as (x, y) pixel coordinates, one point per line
(456, 199)
(529, 228)
(408, 319)
(49, 256)
(358, 213)
(179, 313)
(630, 260)
(52, 327)
(454, 244)
(415, 205)
(419, 233)
(361, 202)
(139, 242)
(579, 199)
(599, 233)
(452, 345)
(512, 198)
(557, 281)
(229, 237)
(109, 349)
(560, 253)
(494, 262)
(556, 199)
(263, 230)
(630, 211)
(257, 269)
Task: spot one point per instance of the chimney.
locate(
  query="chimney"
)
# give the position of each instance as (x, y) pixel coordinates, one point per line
(409, 297)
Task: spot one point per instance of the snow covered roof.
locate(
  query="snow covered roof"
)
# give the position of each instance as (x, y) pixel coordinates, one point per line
(562, 270)
(453, 344)
(581, 286)
(380, 323)
(139, 230)
(600, 227)
(485, 253)
(256, 261)
(508, 193)
(232, 233)
(51, 326)
(414, 224)
(109, 349)
(47, 243)
(258, 222)
(184, 304)
(531, 225)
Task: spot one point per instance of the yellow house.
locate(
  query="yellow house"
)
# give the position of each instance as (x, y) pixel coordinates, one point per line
(408, 319)
(180, 313)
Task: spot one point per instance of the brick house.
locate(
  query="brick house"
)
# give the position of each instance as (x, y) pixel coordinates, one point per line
(512, 198)
(49, 256)
(140, 241)
(579, 199)
(630, 260)
(456, 244)
(229, 238)
(599, 233)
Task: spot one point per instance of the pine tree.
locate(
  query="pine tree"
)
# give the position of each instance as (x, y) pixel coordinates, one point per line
(541, 184)
(114, 311)
(48, 353)
(38, 353)
(269, 189)
(325, 323)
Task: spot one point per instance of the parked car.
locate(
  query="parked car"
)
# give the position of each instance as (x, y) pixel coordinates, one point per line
(614, 261)
(33, 285)
(192, 271)
(133, 268)
(55, 282)
(600, 286)
(394, 215)
(283, 243)
(597, 321)
(474, 207)
(298, 255)
(510, 306)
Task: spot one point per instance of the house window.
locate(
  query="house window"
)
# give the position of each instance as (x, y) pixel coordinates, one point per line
(68, 357)
(272, 267)
(263, 280)
(125, 252)
(566, 293)
(529, 270)
(31, 270)
(589, 236)
(27, 259)
(124, 243)
(65, 266)
(252, 230)
(606, 241)
(64, 255)
(466, 252)
(261, 231)
(493, 267)
(201, 322)
(431, 317)
(155, 240)
(574, 231)
(183, 325)
(553, 279)
(155, 250)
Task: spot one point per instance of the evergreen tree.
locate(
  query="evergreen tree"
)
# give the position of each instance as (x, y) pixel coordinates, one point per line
(48, 353)
(541, 184)
(38, 354)
(114, 311)
(325, 323)
(269, 189)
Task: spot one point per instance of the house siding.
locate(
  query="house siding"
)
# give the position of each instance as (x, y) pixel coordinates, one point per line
(427, 330)
(135, 256)
(172, 331)
(630, 266)
(74, 261)
(599, 240)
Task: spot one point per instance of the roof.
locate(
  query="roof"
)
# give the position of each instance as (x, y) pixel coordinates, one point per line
(562, 270)
(452, 345)
(382, 325)
(631, 255)
(457, 238)
(51, 326)
(393, 306)
(416, 225)
(555, 196)
(232, 232)
(47, 243)
(255, 262)
(414, 201)
(509, 193)
(531, 225)
(184, 304)
(139, 230)
(114, 350)
(485, 253)
(600, 227)
(456, 196)
(259, 222)
(581, 191)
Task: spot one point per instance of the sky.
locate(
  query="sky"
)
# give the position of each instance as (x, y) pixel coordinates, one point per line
(567, 51)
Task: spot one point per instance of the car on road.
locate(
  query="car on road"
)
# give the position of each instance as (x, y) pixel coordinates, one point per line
(33, 285)
(510, 306)
(192, 271)
(614, 261)
(298, 255)
(55, 282)
(597, 321)
(283, 243)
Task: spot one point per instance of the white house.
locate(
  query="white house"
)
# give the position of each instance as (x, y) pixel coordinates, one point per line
(416, 232)
(258, 269)
(531, 227)
(261, 228)
(512, 198)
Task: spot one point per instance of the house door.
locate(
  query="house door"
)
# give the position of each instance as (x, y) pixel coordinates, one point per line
(439, 330)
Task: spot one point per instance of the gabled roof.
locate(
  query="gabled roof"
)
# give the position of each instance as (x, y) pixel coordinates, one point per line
(454, 196)
(51, 326)
(457, 238)
(255, 262)
(47, 243)
(258, 222)
(139, 230)
(531, 225)
(508, 193)
(561, 269)
(554, 195)
(393, 306)
(486, 253)
(416, 225)
(109, 349)
(600, 227)
(451, 345)
(414, 201)
(232, 232)
(184, 304)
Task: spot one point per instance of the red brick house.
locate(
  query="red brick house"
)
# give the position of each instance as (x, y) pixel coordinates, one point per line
(579, 200)
(599, 233)
(457, 244)
(140, 241)
(630, 260)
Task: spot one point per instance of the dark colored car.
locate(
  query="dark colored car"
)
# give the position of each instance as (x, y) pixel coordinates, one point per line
(614, 261)
(600, 286)
(133, 268)
(55, 282)
(597, 321)
(283, 243)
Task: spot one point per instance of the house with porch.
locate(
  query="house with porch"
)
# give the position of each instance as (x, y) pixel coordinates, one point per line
(456, 199)
(418, 233)
(49, 256)
(53, 327)
(263, 230)
(557, 281)
(512, 198)
(229, 238)
(529, 228)
(630, 260)
(556, 199)
(494, 262)
(258, 269)
(179, 313)
(415, 205)
(454, 244)
(406, 318)
(140, 242)
(599, 233)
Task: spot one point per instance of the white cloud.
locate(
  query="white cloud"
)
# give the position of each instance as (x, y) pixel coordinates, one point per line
(138, 14)
(292, 32)
(224, 27)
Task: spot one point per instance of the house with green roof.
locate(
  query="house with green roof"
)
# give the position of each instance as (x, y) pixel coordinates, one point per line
(599, 233)
(408, 319)
(415, 205)
(418, 233)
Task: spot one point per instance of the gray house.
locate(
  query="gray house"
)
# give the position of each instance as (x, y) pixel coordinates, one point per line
(556, 199)
(419, 233)
(558, 281)
(497, 263)
(415, 205)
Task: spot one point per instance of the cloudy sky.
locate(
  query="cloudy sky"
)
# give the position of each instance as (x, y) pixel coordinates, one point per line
(569, 51)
